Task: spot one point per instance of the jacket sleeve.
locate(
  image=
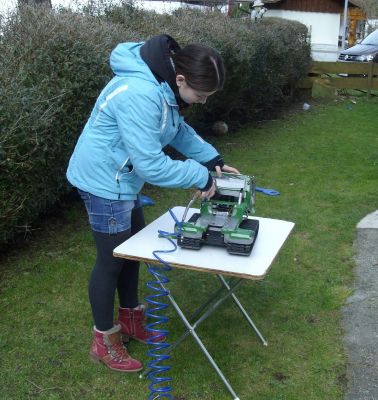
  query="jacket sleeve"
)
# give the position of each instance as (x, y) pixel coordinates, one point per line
(191, 145)
(138, 116)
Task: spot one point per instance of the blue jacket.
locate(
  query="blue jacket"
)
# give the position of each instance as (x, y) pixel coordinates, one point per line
(121, 146)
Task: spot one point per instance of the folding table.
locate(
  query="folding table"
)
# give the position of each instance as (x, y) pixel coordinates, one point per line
(272, 235)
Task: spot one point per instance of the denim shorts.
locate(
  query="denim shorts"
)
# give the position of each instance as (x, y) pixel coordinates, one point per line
(108, 216)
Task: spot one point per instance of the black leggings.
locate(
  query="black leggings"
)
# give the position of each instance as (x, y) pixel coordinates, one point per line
(111, 273)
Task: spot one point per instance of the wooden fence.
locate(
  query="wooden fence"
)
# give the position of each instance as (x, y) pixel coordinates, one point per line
(341, 75)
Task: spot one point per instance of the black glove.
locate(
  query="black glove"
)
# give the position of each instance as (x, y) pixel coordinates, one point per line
(215, 162)
(208, 185)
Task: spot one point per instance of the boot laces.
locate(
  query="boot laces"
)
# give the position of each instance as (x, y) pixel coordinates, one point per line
(118, 352)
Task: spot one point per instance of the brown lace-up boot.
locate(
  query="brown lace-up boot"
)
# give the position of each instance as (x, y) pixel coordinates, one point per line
(107, 348)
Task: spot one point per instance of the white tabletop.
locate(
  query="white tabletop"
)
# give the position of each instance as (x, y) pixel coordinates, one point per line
(272, 235)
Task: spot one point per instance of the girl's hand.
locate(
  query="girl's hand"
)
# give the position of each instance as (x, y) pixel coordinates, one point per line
(226, 168)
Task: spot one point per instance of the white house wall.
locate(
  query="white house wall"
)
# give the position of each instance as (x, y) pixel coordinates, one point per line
(323, 27)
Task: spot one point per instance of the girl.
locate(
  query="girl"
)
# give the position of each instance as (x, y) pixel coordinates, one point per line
(120, 148)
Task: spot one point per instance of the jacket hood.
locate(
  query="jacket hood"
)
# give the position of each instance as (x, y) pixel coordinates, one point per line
(125, 60)
(157, 54)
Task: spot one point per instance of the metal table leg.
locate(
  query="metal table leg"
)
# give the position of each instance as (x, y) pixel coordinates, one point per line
(180, 339)
(213, 297)
(196, 323)
(191, 331)
(244, 312)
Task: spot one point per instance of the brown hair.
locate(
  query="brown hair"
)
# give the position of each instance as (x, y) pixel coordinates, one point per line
(202, 67)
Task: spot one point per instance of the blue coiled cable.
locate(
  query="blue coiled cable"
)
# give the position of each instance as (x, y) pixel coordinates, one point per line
(159, 386)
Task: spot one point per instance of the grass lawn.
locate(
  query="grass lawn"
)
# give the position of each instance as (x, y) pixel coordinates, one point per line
(324, 161)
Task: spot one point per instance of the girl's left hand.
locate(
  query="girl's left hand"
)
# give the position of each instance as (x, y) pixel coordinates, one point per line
(226, 168)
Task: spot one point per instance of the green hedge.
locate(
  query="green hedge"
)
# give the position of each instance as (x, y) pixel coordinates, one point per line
(55, 63)
(53, 66)
(263, 60)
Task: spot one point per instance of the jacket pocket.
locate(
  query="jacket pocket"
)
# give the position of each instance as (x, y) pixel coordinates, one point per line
(129, 182)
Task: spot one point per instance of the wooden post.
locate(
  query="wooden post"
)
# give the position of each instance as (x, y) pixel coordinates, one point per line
(230, 8)
(370, 78)
(345, 20)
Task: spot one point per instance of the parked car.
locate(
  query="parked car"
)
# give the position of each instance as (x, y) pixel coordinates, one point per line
(365, 51)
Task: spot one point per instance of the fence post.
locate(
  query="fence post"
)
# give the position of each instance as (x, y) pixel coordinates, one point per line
(370, 78)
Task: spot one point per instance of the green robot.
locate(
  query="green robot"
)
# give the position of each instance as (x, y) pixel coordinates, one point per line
(223, 219)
